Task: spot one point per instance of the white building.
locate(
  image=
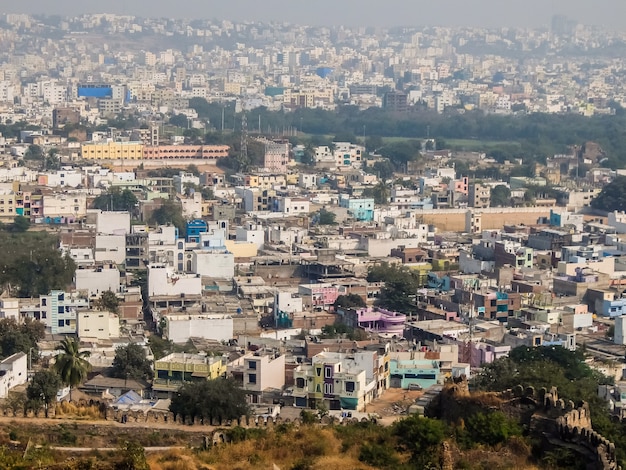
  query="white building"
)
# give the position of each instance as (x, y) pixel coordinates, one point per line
(64, 205)
(180, 327)
(307, 181)
(98, 324)
(164, 281)
(10, 308)
(251, 232)
(13, 372)
(261, 371)
(112, 222)
(110, 248)
(293, 205)
(97, 279)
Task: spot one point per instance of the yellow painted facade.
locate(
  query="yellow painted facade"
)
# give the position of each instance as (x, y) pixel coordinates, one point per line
(112, 150)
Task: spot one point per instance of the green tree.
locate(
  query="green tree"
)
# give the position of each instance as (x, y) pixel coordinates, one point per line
(219, 399)
(612, 197)
(131, 362)
(32, 265)
(133, 457)
(108, 301)
(490, 428)
(116, 200)
(349, 301)
(71, 363)
(170, 212)
(20, 337)
(207, 193)
(52, 160)
(34, 152)
(400, 287)
(43, 388)
(500, 196)
(421, 437)
(326, 217)
(20, 224)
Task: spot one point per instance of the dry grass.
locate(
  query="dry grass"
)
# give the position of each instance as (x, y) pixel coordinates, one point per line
(66, 409)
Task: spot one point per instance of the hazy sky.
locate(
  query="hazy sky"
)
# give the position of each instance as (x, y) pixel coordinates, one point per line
(611, 13)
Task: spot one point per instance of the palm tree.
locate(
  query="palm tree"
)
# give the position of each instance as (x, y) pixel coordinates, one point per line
(71, 364)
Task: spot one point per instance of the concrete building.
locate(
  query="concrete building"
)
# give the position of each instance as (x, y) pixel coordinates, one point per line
(174, 370)
(98, 324)
(112, 150)
(259, 371)
(479, 196)
(94, 280)
(10, 308)
(341, 381)
(182, 326)
(276, 156)
(164, 281)
(13, 372)
(58, 311)
(112, 222)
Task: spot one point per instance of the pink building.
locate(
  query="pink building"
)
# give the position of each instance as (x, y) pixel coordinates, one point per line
(318, 295)
(276, 157)
(379, 320)
(462, 185)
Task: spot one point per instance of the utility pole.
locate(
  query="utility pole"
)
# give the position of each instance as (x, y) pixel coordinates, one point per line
(243, 152)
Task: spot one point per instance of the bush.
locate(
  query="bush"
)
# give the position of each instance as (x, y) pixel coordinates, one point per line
(378, 455)
(490, 428)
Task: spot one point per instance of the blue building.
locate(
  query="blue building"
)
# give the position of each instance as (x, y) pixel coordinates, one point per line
(359, 208)
(194, 229)
(414, 372)
(95, 90)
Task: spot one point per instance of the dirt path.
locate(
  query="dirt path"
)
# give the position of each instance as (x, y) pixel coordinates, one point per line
(4, 420)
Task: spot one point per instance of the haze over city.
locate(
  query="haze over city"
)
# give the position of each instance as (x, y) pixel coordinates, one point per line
(489, 13)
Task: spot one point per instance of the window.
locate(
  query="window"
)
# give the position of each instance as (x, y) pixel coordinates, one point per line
(252, 365)
(328, 372)
(300, 382)
(61, 323)
(318, 371)
(328, 388)
(252, 378)
(60, 309)
(44, 302)
(349, 386)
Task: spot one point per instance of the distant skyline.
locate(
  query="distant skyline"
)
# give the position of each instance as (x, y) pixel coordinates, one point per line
(488, 13)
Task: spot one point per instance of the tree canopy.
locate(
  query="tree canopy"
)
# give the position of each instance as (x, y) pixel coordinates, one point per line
(116, 200)
(500, 196)
(400, 289)
(326, 217)
(612, 197)
(219, 399)
(170, 212)
(32, 265)
(349, 301)
(20, 337)
(131, 362)
(43, 388)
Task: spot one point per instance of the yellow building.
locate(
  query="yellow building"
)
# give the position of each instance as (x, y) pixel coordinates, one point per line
(112, 150)
(173, 371)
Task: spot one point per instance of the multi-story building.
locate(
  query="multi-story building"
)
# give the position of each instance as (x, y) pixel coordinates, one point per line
(58, 311)
(112, 150)
(174, 370)
(341, 381)
(359, 208)
(13, 372)
(276, 156)
(479, 196)
(259, 372)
